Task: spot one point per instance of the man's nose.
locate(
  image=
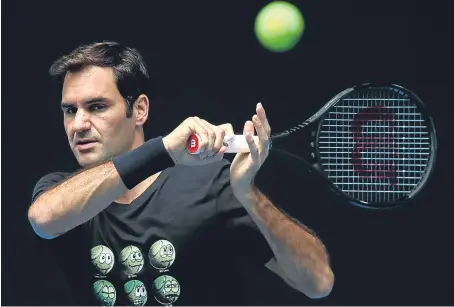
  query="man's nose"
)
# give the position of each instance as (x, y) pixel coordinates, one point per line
(82, 121)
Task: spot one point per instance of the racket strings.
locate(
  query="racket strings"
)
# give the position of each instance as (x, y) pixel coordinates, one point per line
(375, 145)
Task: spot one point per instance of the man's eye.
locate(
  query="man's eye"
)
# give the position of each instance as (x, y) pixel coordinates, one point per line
(70, 110)
(97, 107)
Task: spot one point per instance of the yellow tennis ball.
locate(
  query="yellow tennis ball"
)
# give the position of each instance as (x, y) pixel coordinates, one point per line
(279, 26)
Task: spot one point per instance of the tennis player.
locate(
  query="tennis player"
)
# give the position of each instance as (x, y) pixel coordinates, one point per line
(147, 223)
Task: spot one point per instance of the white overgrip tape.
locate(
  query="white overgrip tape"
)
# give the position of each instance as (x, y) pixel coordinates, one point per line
(237, 143)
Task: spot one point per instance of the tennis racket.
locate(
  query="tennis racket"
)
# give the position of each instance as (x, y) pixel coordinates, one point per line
(374, 144)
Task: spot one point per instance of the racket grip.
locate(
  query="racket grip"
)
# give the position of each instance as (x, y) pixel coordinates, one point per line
(234, 143)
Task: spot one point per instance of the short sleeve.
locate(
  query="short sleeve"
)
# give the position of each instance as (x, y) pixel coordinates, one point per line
(47, 182)
(61, 252)
(240, 229)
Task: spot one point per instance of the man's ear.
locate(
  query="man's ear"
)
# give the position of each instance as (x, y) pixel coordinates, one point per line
(140, 109)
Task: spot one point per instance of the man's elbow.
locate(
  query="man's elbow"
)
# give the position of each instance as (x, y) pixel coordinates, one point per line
(314, 287)
(321, 287)
(40, 222)
(320, 292)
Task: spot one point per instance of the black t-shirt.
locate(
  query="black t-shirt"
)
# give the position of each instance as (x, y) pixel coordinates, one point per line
(182, 242)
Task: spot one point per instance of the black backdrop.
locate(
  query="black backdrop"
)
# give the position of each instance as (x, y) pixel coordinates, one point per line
(205, 61)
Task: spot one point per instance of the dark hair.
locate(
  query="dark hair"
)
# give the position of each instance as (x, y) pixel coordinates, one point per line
(127, 63)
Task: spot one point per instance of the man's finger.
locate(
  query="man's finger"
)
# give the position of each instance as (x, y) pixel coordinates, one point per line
(263, 136)
(211, 135)
(248, 128)
(218, 136)
(201, 132)
(227, 128)
(248, 131)
(219, 142)
(262, 116)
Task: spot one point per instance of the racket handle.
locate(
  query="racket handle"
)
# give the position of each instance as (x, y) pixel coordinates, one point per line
(235, 143)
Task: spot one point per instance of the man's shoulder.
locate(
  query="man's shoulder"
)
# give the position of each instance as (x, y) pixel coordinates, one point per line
(47, 181)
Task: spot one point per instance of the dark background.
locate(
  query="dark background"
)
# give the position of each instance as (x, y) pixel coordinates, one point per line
(205, 61)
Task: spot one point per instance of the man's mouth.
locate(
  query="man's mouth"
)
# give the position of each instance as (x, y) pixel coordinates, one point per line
(85, 144)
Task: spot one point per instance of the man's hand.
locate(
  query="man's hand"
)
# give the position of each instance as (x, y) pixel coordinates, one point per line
(246, 165)
(210, 144)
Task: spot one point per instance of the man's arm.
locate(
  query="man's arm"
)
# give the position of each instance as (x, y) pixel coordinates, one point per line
(75, 200)
(300, 258)
(82, 196)
(300, 255)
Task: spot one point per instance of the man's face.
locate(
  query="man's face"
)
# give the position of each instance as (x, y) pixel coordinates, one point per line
(95, 116)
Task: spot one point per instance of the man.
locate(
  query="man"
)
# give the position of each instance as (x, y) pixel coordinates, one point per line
(158, 224)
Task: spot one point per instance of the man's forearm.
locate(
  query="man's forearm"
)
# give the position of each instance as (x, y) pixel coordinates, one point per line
(83, 196)
(76, 200)
(301, 256)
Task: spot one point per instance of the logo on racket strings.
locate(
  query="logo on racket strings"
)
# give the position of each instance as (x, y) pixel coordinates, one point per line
(379, 146)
